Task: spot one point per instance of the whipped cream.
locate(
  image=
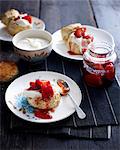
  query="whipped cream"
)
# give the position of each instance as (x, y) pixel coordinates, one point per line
(81, 42)
(31, 94)
(76, 40)
(32, 43)
(23, 22)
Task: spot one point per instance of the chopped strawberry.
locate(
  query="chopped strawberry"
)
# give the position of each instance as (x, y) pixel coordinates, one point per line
(110, 71)
(84, 50)
(38, 83)
(47, 91)
(28, 18)
(80, 32)
(87, 37)
(33, 85)
(109, 67)
(43, 87)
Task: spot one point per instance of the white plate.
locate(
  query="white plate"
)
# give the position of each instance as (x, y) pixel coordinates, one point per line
(5, 36)
(99, 36)
(65, 108)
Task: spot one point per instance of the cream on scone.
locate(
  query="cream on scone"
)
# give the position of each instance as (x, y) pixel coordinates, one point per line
(35, 99)
(22, 22)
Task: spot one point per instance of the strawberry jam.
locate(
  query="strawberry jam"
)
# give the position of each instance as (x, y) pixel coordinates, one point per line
(43, 114)
(99, 68)
(44, 87)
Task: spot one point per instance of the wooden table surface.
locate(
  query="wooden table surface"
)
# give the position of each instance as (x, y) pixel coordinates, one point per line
(104, 14)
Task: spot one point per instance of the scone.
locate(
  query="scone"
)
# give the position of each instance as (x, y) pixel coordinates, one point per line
(76, 38)
(67, 30)
(35, 99)
(8, 70)
(22, 22)
(42, 95)
(8, 15)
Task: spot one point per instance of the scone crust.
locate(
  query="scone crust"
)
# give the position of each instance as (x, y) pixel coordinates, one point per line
(13, 28)
(67, 30)
(8, 15)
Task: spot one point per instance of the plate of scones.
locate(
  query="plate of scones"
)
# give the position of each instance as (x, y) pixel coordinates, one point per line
(12, 22)
(38, 97)
(73, 40)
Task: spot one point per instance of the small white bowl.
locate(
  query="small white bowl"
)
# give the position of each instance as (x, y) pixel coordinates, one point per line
(35, 54)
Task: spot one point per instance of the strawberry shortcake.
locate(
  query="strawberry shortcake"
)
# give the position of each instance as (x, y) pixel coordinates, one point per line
(42, 94)
(76, 38)
(16, 21)
(22, 22)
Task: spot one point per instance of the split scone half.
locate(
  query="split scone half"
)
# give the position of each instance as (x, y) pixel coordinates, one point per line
(76, 38)
(35, 99)
(67, 30)
(9, 15)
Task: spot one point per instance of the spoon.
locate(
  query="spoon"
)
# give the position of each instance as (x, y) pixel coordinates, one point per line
(65, 91)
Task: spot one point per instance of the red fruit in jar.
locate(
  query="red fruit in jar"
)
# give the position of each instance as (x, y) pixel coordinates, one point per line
(28, 18)
(98, 66)
(110, 71)
(93, 80)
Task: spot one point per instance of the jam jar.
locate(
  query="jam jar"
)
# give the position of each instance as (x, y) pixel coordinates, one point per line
(99, 64)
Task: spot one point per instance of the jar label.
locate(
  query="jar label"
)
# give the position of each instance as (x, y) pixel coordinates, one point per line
(92, 70)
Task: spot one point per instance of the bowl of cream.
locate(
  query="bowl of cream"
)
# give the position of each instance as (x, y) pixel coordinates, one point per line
(32, 45)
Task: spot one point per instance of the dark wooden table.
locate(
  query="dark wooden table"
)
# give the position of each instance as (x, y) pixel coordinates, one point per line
(56, 13)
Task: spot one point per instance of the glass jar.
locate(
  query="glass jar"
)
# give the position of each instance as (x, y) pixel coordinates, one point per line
(99, 64)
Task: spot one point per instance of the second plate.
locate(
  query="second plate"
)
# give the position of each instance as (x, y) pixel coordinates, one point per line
(99, 36)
